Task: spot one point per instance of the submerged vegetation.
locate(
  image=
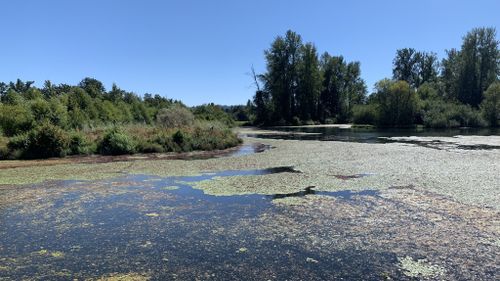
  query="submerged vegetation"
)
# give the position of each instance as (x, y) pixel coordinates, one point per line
(59, 120)
(301, 87)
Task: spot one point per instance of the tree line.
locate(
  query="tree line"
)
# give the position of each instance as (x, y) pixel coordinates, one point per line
(301, 87)
(57, 120)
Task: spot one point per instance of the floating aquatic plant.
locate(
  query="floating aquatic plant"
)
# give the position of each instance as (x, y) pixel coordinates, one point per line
(420, 268)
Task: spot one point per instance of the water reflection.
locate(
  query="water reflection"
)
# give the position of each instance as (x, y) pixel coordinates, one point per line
(136, 224)
(373, 135)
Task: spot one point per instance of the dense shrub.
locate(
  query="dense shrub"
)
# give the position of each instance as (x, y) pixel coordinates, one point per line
(441, 114)
(490, 106)
(330, 121)
(213, 135)
(175, 117)
(309, 122)
(4, 150)
(116, 142)
(149, 147)
(79, 144)
(44, 141)
(165, 140)
(397, 103)
(15, 119)
(201, 136)
(183, 140)
(365, 114)
(212, 112)
(296, 121)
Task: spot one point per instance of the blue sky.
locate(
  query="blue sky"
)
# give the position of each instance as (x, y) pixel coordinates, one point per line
(201, 51)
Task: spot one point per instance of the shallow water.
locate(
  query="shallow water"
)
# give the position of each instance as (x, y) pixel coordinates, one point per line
(164, 229)
(141, 224)
(373, 135)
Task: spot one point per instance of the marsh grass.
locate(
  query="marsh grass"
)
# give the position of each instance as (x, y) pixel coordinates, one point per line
(50, 141)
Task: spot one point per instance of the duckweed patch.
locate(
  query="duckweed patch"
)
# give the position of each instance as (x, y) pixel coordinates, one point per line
(242, 250)
(57, 254)
(290, 207)
(124, 277)
(102, 228)
(469, 176)
(420, 268)
(152, 215)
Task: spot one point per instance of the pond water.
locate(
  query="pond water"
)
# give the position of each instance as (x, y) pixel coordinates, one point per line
(369, 135)
(164, 229)
(141, 227)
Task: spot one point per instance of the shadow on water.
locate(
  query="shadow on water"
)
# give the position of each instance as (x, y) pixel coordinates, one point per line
(79, 230)
(343, 194)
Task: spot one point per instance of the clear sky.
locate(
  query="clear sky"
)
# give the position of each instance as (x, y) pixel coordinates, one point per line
(201, 51)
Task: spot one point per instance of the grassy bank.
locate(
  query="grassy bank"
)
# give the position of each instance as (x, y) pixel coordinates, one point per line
(47, 140)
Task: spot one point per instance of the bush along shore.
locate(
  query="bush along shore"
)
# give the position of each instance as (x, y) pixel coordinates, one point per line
(56, 121)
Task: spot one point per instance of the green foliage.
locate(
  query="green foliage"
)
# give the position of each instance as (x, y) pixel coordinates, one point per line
(40, 109)
(469, 72)
(283, 60)
(309, 83)
(202, 136)
(397, 103)
(212, 112)
(415, 67)
(116, 142)
(165, 140)
(79, 144)
(175, 117)
(4, 150)
(440, 114)
(298, 84)
(58, 113)
(490, 106)
(15, 119)
(240, 113)
(150, 147)
(178, 137)
(44, 141)
(93, 87)
(296, 121)
(212, 135)
(365, 114)
(290, 89)
(263, 108)
(342, 88)
(88, 107)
